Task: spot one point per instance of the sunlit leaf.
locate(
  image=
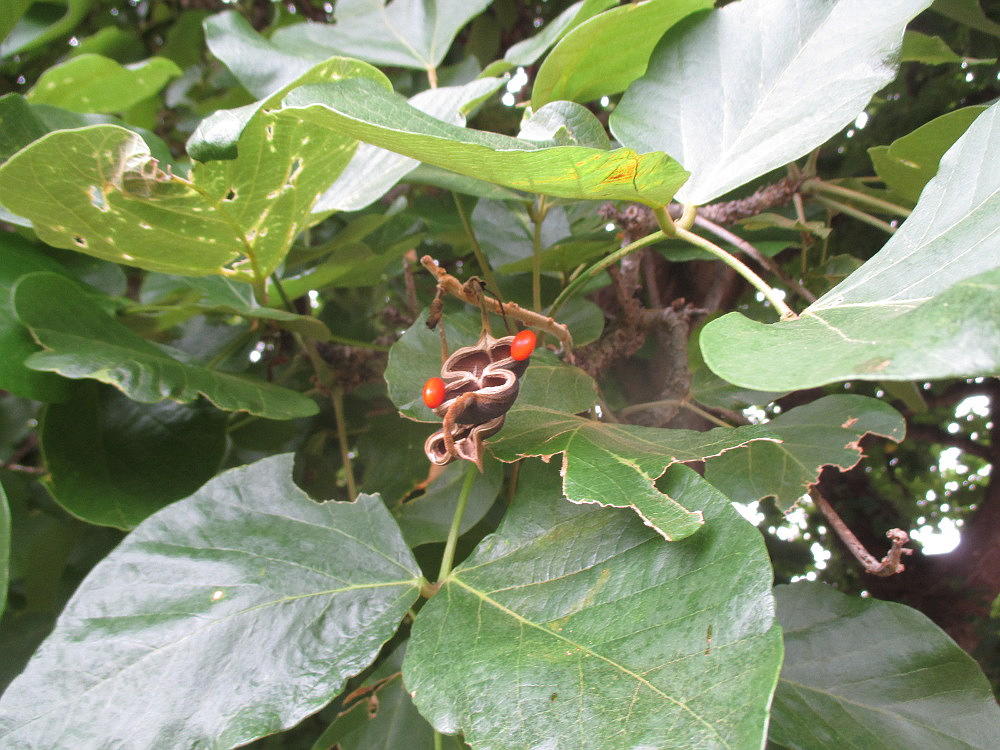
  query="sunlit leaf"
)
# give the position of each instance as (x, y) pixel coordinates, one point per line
(925, 306)
(81, 341)
(527, 51)
(373, 171)
(615, 464)
(756, 84)
(92, 83)
(826, 432)
(404, 33)
(236, 612)
(366, 111)
(113, 461)
(872, 674)
(580, 69)
(588, 629)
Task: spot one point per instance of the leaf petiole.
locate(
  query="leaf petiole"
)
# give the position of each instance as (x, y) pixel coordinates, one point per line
(448, 558)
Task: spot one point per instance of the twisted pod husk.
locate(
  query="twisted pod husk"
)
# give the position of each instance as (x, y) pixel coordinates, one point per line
(481, 385)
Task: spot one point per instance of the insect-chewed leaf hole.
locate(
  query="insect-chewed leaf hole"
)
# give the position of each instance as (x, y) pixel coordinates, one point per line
(230, 196)
(79, 241)
(97, 198)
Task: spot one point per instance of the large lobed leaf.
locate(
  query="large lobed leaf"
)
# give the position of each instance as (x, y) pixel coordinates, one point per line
(877, 675)
(81, 341)
(367, 111)
(826, 432)
(752, 86)
(229, 615)
(616, 464)
(587, 629)
(927, 305)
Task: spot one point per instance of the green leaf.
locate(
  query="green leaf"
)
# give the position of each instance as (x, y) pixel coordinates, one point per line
(42, 23)
(527, 51)
(616, 464)
(873, 674)
(826, 432)
(259, 65)
(218, 135)
(925, 306)
(18, 258)
(4, 549)
(580, 68)
(92, 83)
(908, 163)
(113, 461)
(373, 171)
(933, 50)
(587, 628)
(564, 124)
(237, 612)
(225, 296)
(388, 719)
(759, 83)
(969, 12)
(361, 109)
(427, 518)
(10, 13)
(403, 33)
(119, 205)
(81, 341)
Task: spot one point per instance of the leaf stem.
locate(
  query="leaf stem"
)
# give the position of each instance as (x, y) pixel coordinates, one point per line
(819, 186)
(604, 263)
(741, 268)
(857, 213)
(675, 402)
(337, 397)
(537, 214)
(448, 558)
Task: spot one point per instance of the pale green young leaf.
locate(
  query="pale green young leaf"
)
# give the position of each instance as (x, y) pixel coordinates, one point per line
(527, 51)
(92, 83)
(752, 86)
(580, 69)
(237, 612)
(587, 628)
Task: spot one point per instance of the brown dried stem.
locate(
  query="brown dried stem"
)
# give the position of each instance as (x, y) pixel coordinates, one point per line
(889, 565)
(450, 285)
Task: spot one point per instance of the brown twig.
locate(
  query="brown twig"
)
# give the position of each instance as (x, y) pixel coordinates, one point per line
(451, 285)
(889, 565)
